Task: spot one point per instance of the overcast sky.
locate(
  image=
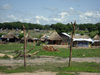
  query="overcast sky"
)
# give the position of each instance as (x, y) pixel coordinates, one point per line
(50, 11)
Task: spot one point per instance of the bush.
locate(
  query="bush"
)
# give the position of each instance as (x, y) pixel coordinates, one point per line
(21, 35)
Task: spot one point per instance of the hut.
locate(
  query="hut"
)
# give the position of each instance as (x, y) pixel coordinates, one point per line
(44, 38)
(54, 38)
(82, 41)
(65, 38)
(96, 40)
(29, 39)
(9, 38)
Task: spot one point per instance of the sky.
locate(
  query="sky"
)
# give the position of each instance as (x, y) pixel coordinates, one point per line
(50, 11)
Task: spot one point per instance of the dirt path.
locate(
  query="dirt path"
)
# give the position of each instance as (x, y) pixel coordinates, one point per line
(47, 59)
(35, 73)
(87, 73)
(48, 73)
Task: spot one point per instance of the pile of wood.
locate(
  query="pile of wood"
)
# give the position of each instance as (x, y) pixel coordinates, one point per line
(4, 55)
(20, 54)
(49, 48)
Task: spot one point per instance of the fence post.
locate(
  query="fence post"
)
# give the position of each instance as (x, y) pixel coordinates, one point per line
(71, 43)
(24, 30)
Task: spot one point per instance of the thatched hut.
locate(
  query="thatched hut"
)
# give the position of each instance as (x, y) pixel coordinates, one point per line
(96, 40)
(82, 41)
(54, 38)
(29, 39)
(9, 38)
(44, 38)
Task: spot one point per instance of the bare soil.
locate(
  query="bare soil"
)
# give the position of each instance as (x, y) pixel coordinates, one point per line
(45, 59)
(48, 73)
(35, 73)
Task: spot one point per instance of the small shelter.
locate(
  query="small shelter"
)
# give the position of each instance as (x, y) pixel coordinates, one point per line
(44, 38)
(29, 39)
(82, 41)
(54, 38)
(9, 38)
(96, 40)
(65, 38)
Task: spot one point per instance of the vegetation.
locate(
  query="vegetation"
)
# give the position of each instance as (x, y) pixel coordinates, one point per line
(1, 34)
(61, 68)
(89, 29)
(12, 48)
(21, 35)
(62, 73)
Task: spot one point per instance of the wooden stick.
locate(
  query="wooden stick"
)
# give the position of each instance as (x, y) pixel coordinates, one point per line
(71, 43)
(24, 46)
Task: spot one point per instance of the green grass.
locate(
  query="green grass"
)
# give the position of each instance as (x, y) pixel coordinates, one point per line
(75, 52)
(62, 73)
(62, 68)
(11, 48)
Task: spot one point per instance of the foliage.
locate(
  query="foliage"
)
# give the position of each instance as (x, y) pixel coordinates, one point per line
(62, 73)
(21, 35)
(93, 33)
(38, 43)
(59, 27)
(63, 52)
(1, 34)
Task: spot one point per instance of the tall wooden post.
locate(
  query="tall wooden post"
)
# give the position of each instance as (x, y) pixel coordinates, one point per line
(71, 43)
(24, 45)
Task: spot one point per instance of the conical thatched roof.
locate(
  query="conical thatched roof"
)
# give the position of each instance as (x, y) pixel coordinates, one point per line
(29, 37)
(54, 36)
(96, 37)
(9, 36)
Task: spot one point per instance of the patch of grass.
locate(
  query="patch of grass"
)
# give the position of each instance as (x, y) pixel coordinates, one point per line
(75, 52)
(62, 73)
(4, 57)
(54, 67)
(10, 48)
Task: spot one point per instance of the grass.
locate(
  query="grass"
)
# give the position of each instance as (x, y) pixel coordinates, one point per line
(61, 68)
(11, 48)
(62, 73)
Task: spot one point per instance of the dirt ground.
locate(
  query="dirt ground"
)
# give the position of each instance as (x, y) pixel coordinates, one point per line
(87, 73)
(48, 73)
(45, 59)
(36, 73)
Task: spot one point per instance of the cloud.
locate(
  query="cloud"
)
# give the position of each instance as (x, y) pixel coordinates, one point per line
(57, 19)
(42, 18)
(12, 17)
(52, 9)
(63, 14)
(71, 8)
(5, 7)
(66, 16)
(37, 21)
(90, 16)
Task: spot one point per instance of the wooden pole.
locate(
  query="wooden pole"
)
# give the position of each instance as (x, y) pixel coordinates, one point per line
(24, 45)
(71, 43)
